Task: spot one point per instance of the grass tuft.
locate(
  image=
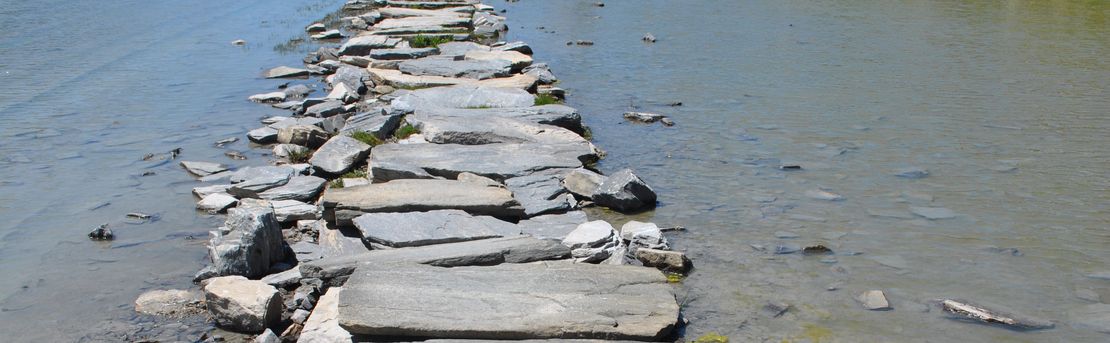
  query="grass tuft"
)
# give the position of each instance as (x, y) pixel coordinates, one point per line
(337, 183)
(354, 174)
(299, 155)
(546, 99)
(425, 41)
(366, 137)
(405, 131)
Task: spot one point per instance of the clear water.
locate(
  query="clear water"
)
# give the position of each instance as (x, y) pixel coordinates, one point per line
(1006, 105)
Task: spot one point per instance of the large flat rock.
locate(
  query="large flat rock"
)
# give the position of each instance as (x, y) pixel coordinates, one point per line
(450, 67)
(518, 249)
(509, 301)
(557, 115)
(418, 21)
(498, 161)
(341, 205)
(445, 127)
(463, 96)
(409, 229)
(398, 79)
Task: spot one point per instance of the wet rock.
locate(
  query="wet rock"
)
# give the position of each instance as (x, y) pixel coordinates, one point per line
(249, 242)
(624, 191)
(449, 67)
(339, 155)
(643, 117)
(593, 241)
(666, 121)
(426, 228)
(516, 46)
(271, 97)
(242, 305)
(1092, 317)
(204, 191)
(874, 300)
(518, 61)
(329, 34)
(402, 53)
(300, 188)
(170, 303)
(578, 301)
(284, 71)
(583, 182)
(541, 193)
(552, 226)
(497, 161)
(787, 248)
(818, 194)
(239, 42)
(933, 213)
(965, 310)
(775, 309)
(250, 181)
(101, 233)
(912, 173)
(344, 204)
(361, 45)
(286, 211)
(322, 325)
(644, 235)
(307, 135)
(668, 261)
(316, 27)
(217, 202)
(817, 249)
(650, 38)
(202, 168)
(263, 135)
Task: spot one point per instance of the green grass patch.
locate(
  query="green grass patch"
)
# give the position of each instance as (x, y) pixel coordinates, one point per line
(546, 99)
(405, 131)
(366, 137)
(712, 337)
(299, 155)
(337, 183)
(354, 174)
(426, 41)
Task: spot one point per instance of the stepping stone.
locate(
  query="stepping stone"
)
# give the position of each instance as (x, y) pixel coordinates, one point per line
(449, 67)
(446, 21)
(497, 161)
(339, 155)
(509, 301)
(202, 168)
(430, 4)
(362, 45)
(284, 71)
(557, 115)
(517, 60)
(402, 53)
(300, 188)
(445, 128)
(518, 249)
(463, 96)
(542, 193)
(400, 12)
(341, 205)
(552, 226)
(411, 229)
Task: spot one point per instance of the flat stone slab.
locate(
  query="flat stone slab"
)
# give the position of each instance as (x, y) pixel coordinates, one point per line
(400, 12)
(557, 115)
(463, 96)
(518, 249)
(517, 60)
(497, 161)
(410, 229)
(430, 3)
(341, 205)
(552, 226)
(449, 67)
(362, 44)
(402, 53)
(452, 21)
(444, 127)
(398, 79)
(509, 301)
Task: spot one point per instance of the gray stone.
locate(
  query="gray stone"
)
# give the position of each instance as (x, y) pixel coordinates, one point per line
(329, 34)
(426, 228)
(449, 67)
(498, 161)
(475, 178)
(263, 135)
(361, 45)
(483, 252)
(583, 182)
(284, 71)
(306, 251)
(645, 235)
(316, 27)
(463, 96)
(624, 191)
(286, 211)
(339, 155)
(344, 204)
(444, 128)
(358, 61)
(204, 191)
(874, 300)
(249, 242)
(517, 46)
(242, 305)
(381, 124)
(248, 182)
(307, 135)
(300, 188)
(552, 226)
(268, 97)
(285, 150)
(344, 94)
(202, 168)
(395, 78)
(509, 301)
(383, 171)
(221, 176)
(328, 108)
(287, 122)
(322, 325)
(517, 61)
(354, 78)
(643, 117)
(933, 213)
(994, 314)
(171, 303)
(267, 336)
(283, 279)
(217, 202)
(593, 242)
(402, 53)
(542, 72)
(556, 115)
(668, 261)
(460, 48)
(541, 193)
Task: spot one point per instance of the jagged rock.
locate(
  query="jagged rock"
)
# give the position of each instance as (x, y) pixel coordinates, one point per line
(583, 182)
(242, 305)
(283, 279)
(171, 302)
(267, 336)
(562, 301)
(249, 242)
(328, 108)
(286, 211)
(624, 191)
(517, 46)
(361, 45)
(542, 72)
(498, 161)
(263, 135)
(339, 155)
(204, 191)
(284, 71)
(643, 117)
(342, 93)
(300, 188)
(426, 228)
(217, 202)
(307, 135)
(344, 204)
(250, 181)
(354, 78)
(552, 226)
(541, 193)
(202, 168)
(322, 325)
(668, 261)
(449, 67)
(646, 235)
(592, 242)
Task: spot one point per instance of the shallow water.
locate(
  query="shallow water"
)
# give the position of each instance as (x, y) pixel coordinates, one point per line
(1004, 103)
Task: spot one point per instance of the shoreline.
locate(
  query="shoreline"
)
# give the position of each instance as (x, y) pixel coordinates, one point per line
(429, 149)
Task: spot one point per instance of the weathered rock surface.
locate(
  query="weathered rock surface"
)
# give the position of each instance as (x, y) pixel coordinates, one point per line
(263, 135)
(300, 188)
(624, 191)
(449, 67)
(874, 300)
(286, 211)
(379, 123)
(552, 226)
(463, 96)
(202, 168)
(646, 235)
(249, 242)
(993, 314)
(583, 182)
(171, 302)
(204, 191)
(344, 204)
(460, 48)
(250, 181)
(445, 128)
(328, 108)
(242, 305)
(362, 44)
(311, 136)
(339, 155)
(668, 261)
(322, 325)
(498, 161)
(521, 301)
(517, 61)
(484, 252)
(217, 202)
(402, 53)
(541, 193)
(517, 46)
(396, 78)
(433, 227)
(556, 115)
(593, 241)
(284, 71)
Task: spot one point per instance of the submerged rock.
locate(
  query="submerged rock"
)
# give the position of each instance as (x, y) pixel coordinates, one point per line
(912, 173)
(933, 213)
(994, 315)
(170, 303)
(668, 261)
(874, 300)
(102, 233)
(242, 305)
